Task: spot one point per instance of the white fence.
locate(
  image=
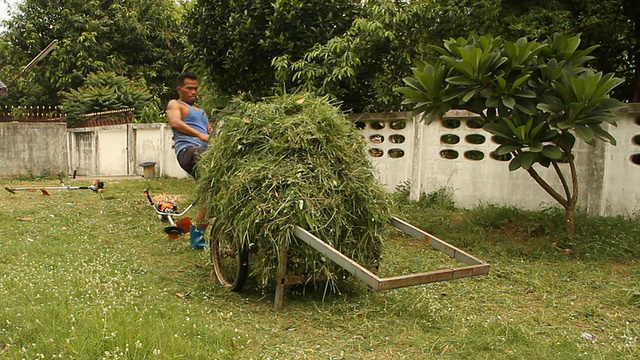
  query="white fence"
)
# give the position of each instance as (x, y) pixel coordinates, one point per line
(452, 153)
(456, 154)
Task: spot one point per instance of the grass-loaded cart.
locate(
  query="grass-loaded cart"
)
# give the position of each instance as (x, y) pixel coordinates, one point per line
(294, 198)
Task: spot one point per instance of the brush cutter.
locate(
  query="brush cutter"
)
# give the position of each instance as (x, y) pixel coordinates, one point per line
(96, 186)
(33, 62)
(167, 211)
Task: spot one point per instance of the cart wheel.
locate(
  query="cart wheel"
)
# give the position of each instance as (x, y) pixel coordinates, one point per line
(230, 263)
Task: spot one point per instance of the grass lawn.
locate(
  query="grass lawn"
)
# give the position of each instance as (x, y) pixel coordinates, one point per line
(91, 276)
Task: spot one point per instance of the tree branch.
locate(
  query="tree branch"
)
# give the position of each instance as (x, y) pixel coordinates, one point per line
(574, 175)
(554, 194)
(565, 186)
(574, 180)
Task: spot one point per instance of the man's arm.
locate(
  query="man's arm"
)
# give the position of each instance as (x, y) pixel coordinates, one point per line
(175, 113)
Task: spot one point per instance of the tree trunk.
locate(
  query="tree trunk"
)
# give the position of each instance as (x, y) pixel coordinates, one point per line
(570, 218)
(570, 198)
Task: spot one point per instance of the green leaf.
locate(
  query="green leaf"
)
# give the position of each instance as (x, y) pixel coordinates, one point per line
(610, 104)
(469, 95)
(521, 133)
(536, 147)
(527, 107)
(460, 80)
(492, 102)
(548, 108)
(509, 102)
(528, 159)
(525, 93)
(515, 163)
(511, 125)
(413, 83)
(552, 152)
(567, 140)
(549, 135)
(506, 149)
(602, 134)
(520, 80)
(544, 161)
(502, 83)
(498, 129)
(584, 133)
(534, 132)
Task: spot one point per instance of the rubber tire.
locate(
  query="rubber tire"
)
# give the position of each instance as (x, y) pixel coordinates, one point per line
(232, 274)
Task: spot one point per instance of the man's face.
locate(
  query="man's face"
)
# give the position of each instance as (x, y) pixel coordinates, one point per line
(188, 91)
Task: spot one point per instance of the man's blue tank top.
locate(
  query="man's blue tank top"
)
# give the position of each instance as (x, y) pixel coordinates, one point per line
(197, 119)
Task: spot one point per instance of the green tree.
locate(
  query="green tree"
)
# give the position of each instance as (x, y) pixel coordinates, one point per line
(613, 25)
(237, 40)
(360, 67)
(537, 97)
(136, 39)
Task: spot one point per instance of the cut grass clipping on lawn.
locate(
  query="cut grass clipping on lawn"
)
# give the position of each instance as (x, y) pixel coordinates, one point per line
(293, 160)
(87, 275)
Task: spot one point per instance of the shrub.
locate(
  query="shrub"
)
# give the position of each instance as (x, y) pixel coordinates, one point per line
(104, 91)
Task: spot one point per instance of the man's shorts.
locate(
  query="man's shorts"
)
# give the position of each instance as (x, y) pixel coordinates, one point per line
(188, 157)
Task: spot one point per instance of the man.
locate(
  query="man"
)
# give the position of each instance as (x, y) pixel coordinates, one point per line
(190, 126)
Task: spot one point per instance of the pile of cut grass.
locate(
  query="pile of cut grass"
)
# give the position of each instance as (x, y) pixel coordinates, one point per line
(294, 160)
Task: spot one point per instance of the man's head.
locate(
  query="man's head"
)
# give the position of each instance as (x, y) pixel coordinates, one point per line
(188, 87)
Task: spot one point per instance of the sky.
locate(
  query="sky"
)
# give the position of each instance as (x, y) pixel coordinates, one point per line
(4, 8)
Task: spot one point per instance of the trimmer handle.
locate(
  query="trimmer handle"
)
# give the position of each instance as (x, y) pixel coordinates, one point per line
(146, 193)
(59, 176)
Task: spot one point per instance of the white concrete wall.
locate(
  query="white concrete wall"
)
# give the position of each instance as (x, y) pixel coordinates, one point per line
(621, 173)
(609, 175)
(112, 156)
(120, 149)
(392, 171)
(154, 142)
(32, 149)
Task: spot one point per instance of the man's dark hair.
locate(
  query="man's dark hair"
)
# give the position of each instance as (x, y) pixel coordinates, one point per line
(185, 75)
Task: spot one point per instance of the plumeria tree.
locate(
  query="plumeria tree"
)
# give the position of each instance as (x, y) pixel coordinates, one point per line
(536, 97)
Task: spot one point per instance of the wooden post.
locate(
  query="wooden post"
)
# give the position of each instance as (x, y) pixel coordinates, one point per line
(476, 266)
(281, 278)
